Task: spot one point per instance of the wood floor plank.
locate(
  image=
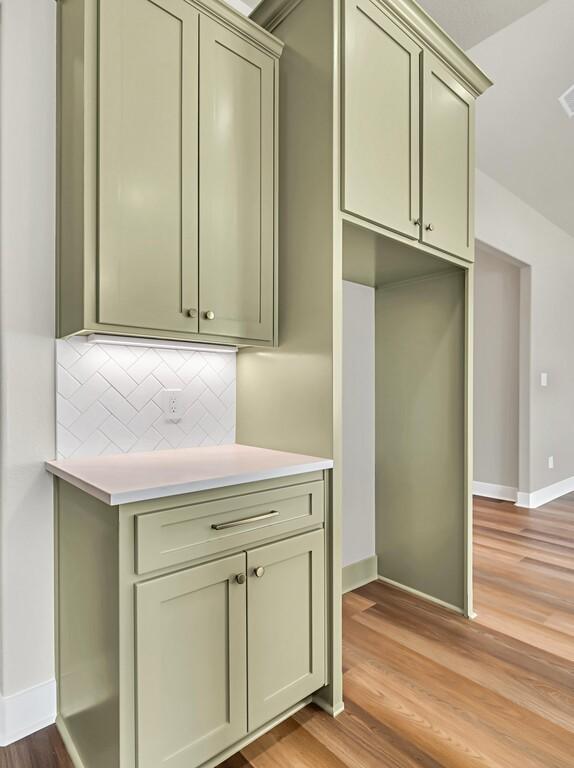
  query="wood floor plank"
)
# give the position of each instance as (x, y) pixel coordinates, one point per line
(425, 688)
(475, 704)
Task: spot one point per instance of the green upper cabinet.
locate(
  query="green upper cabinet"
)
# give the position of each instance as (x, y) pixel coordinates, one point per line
(407, 126)
(381, 120)
(191, 664)
(448, 162)
(167, 171)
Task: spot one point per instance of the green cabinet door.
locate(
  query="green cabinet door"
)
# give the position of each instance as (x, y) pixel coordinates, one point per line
(148, 125)
(381, 120)
(285, 624)
(191, 664)
(236, 185)
(448, 162)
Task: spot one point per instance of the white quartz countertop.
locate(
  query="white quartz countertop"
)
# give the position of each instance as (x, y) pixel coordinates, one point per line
(128, 477)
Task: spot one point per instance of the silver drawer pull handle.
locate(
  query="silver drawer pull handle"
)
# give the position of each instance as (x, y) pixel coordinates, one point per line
(244, 521)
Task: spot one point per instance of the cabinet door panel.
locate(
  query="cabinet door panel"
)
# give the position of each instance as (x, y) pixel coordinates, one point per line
(147, 255)
(286, 625)
(381, 129)
(236, 150)
(191, 664)
(448, 162)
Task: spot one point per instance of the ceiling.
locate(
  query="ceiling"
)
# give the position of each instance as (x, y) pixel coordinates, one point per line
(525, 140)
(470, 21)
(243, 6)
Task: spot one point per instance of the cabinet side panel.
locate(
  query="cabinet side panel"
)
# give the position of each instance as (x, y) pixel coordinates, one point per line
(87, 585)
(285, 396)
(70, 214)
(420, 442)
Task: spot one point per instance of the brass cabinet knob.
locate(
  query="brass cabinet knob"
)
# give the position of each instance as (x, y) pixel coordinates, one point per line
(209, 315)
(192, 312)
(259, 572)
(429, 227)
(240, 578)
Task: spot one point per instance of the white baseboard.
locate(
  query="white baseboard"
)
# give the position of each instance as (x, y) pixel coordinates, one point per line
(358, 574)
(26, 712)
(545, 495)
(493, 491)
(422, 595)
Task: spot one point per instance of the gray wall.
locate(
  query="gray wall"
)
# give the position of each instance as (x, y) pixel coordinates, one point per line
(496, 370)
(507, 224)
(27, 363)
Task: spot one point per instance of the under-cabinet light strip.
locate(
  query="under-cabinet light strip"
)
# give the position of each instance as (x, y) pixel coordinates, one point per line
(134, 341)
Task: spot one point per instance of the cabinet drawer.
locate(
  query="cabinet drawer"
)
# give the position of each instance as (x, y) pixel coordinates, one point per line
(175, 536)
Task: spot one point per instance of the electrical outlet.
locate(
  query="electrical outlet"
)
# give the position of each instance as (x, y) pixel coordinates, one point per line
(551, 462)
(172, 404)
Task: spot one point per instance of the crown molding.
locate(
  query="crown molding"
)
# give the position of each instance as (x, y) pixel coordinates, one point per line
(244, 25)
(270, 13)
(410, 14)
(413, 19)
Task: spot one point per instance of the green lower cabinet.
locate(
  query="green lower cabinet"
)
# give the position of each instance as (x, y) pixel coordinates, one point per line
(191, 664)
(184, 667)
(285, 624)
(225, 647)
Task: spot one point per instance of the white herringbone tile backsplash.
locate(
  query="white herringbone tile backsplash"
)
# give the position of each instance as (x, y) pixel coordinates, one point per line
(110, 398)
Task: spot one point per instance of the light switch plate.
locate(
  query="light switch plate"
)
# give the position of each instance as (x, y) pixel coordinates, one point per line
(543, 379)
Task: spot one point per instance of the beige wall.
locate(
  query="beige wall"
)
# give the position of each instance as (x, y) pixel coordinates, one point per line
(496, 370)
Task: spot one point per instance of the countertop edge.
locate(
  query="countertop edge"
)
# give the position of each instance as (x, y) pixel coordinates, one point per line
(193, 486)
(83, 485)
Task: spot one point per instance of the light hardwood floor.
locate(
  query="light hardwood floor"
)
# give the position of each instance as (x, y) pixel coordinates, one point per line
(426, 688)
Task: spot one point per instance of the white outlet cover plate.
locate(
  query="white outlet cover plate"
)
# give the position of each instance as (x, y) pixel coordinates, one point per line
(172, 404)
